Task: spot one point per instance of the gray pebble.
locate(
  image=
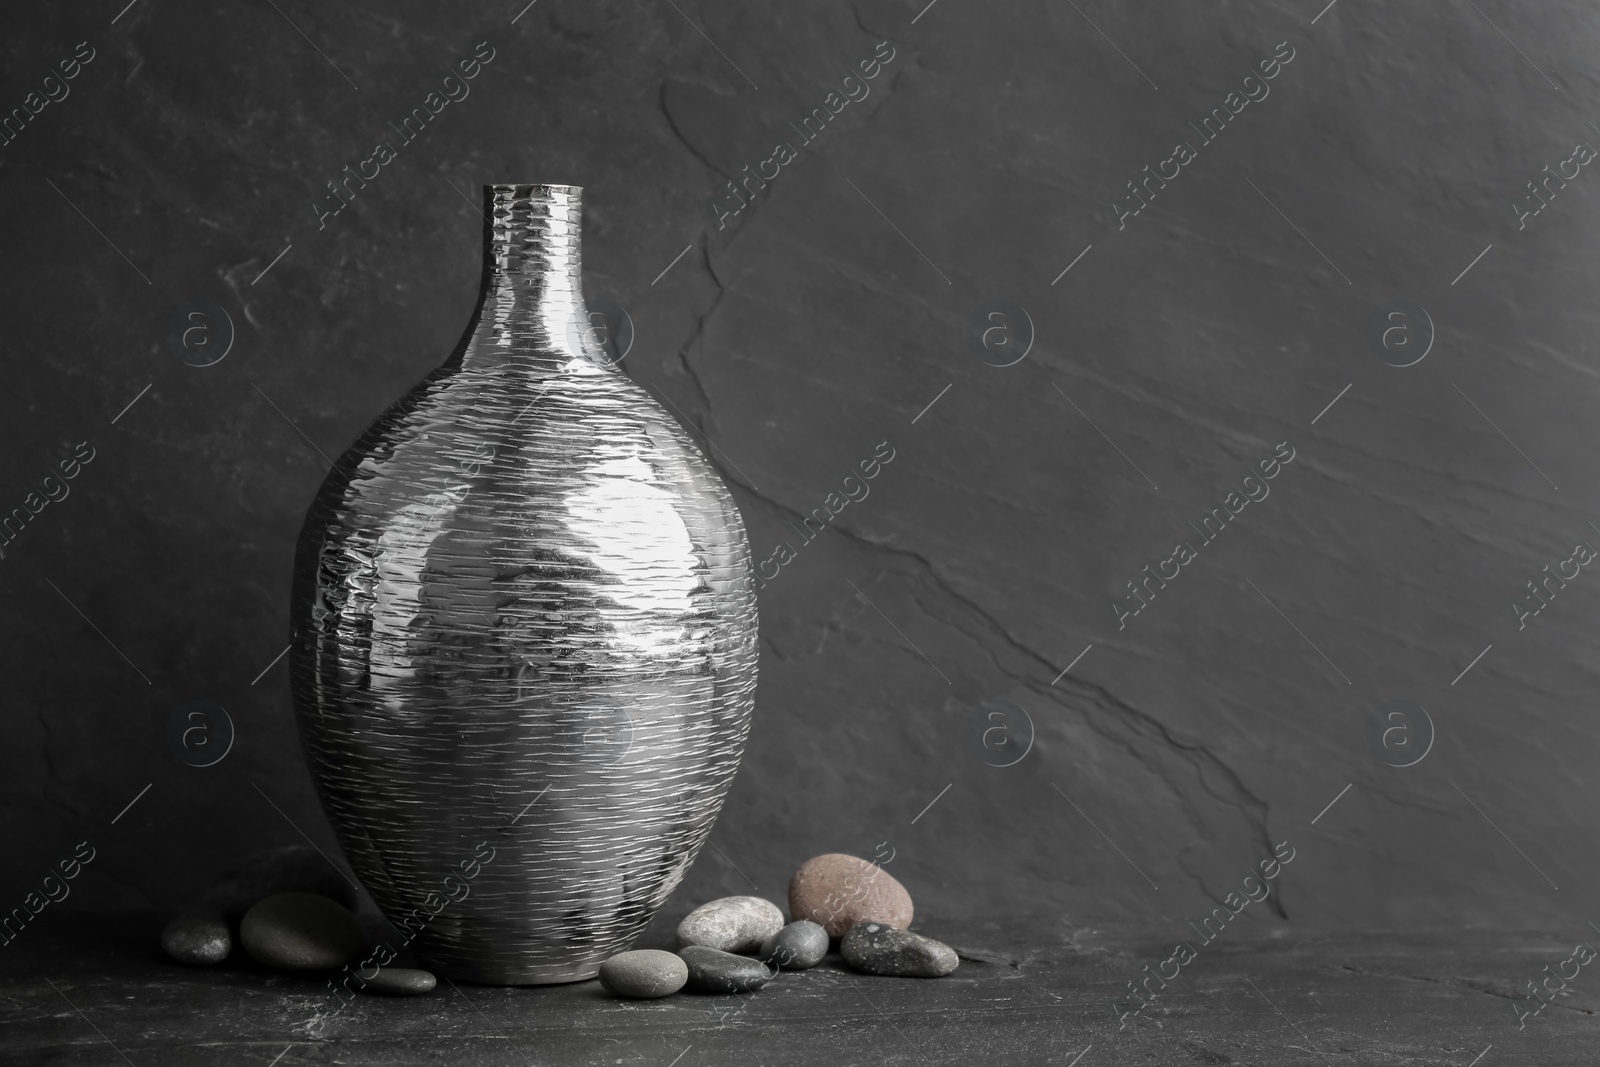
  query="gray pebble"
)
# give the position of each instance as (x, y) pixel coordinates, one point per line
(197, 938)
(301, 932)
(714, 971)
(644, 973)
(292, 869)
(399, 982)
(873, 948)
(799, 945)
(732, 924)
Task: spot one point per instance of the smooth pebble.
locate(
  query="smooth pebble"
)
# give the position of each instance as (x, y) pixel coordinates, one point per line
(714, 971)
(399, 982)
(731, 924)
(198, 938)
(873, 948)
(799, 945)
(301, 932)
(839, 892)
(644, 973)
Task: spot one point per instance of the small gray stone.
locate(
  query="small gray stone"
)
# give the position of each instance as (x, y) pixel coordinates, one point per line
(873, 948)
(399, 982)
(714, 971)
(301, 932)
(732, 924)
(644, 973)
(291, 869)
(198, 938)
(799, 945)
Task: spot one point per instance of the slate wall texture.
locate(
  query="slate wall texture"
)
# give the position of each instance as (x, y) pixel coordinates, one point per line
(957, 675)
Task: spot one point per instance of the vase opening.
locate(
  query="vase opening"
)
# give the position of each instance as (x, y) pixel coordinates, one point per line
(532, 268)
(531, 229)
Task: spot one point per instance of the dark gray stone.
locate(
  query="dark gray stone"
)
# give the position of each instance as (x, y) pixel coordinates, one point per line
(400, 982)
(644, 973)
(198, 938)
(301, 932)
(796, 947)
(291, 869)
(873, 948)
(714, 971)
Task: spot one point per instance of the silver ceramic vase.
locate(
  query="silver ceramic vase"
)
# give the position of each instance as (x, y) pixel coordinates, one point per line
(524, 634)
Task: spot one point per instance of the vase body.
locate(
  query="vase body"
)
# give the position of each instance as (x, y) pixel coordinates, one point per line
(523, 634)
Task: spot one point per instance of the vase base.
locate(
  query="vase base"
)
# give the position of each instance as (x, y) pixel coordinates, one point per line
(512, 974)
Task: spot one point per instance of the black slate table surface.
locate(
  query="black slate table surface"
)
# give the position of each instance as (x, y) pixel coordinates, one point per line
(96, 990)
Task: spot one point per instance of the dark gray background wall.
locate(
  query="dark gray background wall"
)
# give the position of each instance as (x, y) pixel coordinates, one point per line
(1176, 353)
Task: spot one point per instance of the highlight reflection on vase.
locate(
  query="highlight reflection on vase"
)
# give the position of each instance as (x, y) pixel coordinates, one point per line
(523, 615)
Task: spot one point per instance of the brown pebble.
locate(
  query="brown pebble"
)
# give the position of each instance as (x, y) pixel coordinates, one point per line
(838, 892)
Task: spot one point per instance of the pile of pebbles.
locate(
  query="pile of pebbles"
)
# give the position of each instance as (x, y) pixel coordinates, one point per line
(289, 910)
(738, 944)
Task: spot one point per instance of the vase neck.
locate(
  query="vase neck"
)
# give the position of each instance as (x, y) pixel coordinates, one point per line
(532, 275)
